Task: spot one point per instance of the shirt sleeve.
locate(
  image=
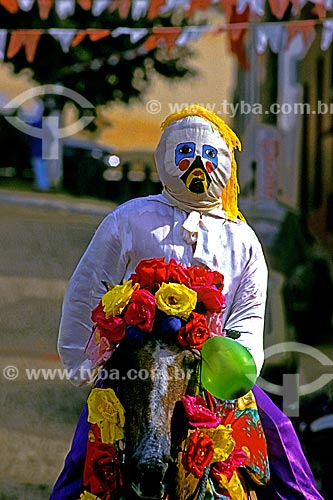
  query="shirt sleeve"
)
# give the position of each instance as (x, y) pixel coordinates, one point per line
(247, 313)
(101, 261)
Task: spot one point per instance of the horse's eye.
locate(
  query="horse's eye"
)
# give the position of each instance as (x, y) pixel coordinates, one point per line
(185, 149)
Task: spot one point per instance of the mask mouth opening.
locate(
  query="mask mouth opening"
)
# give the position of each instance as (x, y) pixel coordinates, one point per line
(196, 179)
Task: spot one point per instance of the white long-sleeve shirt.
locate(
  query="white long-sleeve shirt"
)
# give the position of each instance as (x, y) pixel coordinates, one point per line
(151, 227)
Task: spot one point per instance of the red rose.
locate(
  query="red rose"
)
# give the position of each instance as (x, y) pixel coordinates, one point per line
(178, 274)
(198, 414)
(141, 310)
(199, 276)
(195, 332)
(102, 470)
(113, 328)
(212, 298)
(151, 273)
(199, 453)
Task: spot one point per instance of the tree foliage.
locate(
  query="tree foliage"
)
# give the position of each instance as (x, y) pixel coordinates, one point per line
(112, 69)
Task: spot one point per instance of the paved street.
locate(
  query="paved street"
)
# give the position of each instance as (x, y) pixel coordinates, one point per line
(40, 246)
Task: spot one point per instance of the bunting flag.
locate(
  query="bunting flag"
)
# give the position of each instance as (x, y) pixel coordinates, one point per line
(63, 37)
(64, 8)
(327, 34)
(306, 28)
(135, 34)
(24, 38)
(270, 34)
(168, 38)
(26, 5)
(11, 5)
(279, 7)
(154, 8)
(3, 39)
(99, 6)
(237, 37)
(94, 35)
(44, 8)
(123, 7)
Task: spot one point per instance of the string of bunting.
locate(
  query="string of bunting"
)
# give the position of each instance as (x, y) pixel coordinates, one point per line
(241, 14)
(275, 35)
(153, 8)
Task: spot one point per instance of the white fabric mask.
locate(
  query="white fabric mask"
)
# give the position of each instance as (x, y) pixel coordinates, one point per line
(194, 164)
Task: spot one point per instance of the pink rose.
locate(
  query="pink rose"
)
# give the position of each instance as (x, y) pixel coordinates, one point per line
(197, 412)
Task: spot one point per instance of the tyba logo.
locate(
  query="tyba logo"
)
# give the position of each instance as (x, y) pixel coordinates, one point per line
(50, 132)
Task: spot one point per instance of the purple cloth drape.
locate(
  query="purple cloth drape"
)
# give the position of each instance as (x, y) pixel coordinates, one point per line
(69, 484)
(291, 476)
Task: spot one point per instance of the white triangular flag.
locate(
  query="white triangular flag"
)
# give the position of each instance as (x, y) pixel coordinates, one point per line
(65, 8)
(175, 4)
(3, 39)
(64, 37)
(26, 5)
(271, 34)
(135, 34)
(99, 6)
(191, 33)
(275, 33)
(256, 6)
(260, 39)
(139, 9)
(327, 34)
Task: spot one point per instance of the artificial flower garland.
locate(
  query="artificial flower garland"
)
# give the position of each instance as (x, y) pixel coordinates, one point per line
(164, 295)
(187, 302)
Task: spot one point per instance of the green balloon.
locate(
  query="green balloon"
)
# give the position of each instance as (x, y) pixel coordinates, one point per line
(228, 370)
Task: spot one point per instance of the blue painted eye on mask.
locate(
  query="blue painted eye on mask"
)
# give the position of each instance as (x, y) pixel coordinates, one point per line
(210, 153)
(184, 150)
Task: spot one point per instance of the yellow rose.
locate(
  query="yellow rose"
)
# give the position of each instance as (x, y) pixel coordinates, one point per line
(176, 299)
(105, 410)
(224, 443)
(115, 300)
(88, 496)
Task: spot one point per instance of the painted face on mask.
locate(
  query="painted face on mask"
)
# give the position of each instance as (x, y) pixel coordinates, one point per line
(196, 167)
(193, 162)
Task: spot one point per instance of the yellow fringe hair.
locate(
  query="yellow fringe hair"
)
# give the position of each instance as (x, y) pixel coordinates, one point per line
(230, 192)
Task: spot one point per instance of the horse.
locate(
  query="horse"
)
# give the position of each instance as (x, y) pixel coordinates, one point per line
(153, 377)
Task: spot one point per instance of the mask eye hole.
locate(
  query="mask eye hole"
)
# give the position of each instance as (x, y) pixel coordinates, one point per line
(184, 150)
(210, 153)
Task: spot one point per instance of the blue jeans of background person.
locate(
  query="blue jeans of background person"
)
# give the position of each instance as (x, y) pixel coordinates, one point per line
(40, 173)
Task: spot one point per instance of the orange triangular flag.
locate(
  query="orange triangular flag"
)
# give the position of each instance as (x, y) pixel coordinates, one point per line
(319, 10)
(155, 8)
(80, 35)
(123, 7)
(44, 8)
(237, 36)
(167, 35)
(279, 7)
(85, 4)
(11, 5)
(96, 35)
(227, 6)
(24, 38)
(306, 28)
(197, 5)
